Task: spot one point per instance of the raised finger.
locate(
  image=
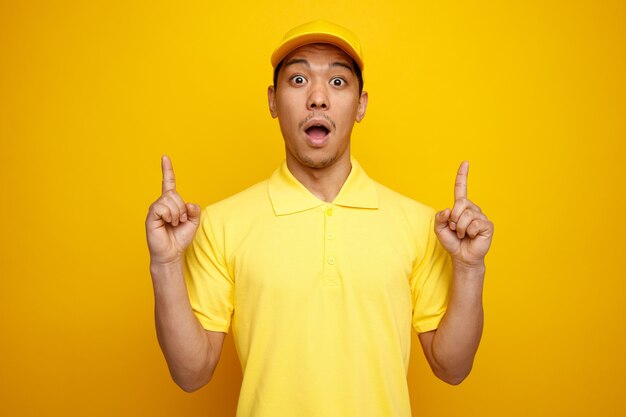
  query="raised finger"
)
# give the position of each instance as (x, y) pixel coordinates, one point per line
(460, 206)
(182, 207)
(460, 184)
(169, 181)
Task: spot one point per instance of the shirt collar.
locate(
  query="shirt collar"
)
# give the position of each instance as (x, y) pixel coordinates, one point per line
(288, 195)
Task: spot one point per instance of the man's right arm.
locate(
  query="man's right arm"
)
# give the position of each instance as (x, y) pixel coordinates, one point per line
(191, 352)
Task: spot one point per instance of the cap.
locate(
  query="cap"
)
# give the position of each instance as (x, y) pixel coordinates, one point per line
(319, 31)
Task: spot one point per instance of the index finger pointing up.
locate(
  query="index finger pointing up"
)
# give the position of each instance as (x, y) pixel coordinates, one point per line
(169, 181)
(460, 185)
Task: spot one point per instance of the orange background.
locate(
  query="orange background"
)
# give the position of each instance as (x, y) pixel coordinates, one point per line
(533, 93)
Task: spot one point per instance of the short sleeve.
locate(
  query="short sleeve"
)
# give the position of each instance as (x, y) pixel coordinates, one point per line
(430, 283)
(209, 284)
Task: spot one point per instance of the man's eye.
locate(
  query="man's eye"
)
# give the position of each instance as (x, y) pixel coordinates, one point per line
(338, 82)
(298, 79)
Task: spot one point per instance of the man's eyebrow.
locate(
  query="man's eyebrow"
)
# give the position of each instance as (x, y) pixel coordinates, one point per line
(294, 61)
(342, 64)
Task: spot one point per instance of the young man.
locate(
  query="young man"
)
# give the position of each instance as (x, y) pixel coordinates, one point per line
(320, 271)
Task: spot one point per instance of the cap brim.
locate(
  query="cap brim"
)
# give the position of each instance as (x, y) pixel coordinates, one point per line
(294, 43)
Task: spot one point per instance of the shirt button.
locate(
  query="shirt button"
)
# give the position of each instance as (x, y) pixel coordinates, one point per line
(329, 211)
(331, 236)
(331, 260)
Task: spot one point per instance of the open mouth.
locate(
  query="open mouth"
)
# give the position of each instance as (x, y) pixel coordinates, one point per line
(317, 132)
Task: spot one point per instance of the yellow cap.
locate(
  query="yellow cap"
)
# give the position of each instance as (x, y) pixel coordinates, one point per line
(319, 31)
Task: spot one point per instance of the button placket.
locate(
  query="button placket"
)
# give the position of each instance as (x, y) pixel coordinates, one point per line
(330, 256)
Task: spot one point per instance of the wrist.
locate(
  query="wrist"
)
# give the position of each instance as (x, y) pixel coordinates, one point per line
(469, 268)
(164, 267)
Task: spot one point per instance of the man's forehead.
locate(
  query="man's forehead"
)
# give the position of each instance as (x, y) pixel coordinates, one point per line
(325, 50)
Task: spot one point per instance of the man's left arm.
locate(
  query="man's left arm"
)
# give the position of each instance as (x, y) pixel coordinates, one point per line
(465, 232)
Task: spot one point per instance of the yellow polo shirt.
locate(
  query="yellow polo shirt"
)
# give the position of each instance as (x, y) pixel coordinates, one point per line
(321, 296)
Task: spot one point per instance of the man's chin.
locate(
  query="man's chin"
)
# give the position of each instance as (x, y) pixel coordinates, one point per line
(317, 163)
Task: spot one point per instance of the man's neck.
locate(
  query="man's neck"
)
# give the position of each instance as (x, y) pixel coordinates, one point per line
(324, 183)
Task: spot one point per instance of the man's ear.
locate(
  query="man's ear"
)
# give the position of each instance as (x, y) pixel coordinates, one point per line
(360, 112)
(271, 100)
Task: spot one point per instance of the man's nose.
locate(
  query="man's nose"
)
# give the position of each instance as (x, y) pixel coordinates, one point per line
(318, 98)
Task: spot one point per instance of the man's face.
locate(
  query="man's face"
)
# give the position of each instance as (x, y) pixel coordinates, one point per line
(317, 102)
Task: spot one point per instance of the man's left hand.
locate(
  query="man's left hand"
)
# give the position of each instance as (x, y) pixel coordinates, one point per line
(465, 232)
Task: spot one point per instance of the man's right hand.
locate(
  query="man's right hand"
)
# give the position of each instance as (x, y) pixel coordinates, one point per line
(171, 223)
